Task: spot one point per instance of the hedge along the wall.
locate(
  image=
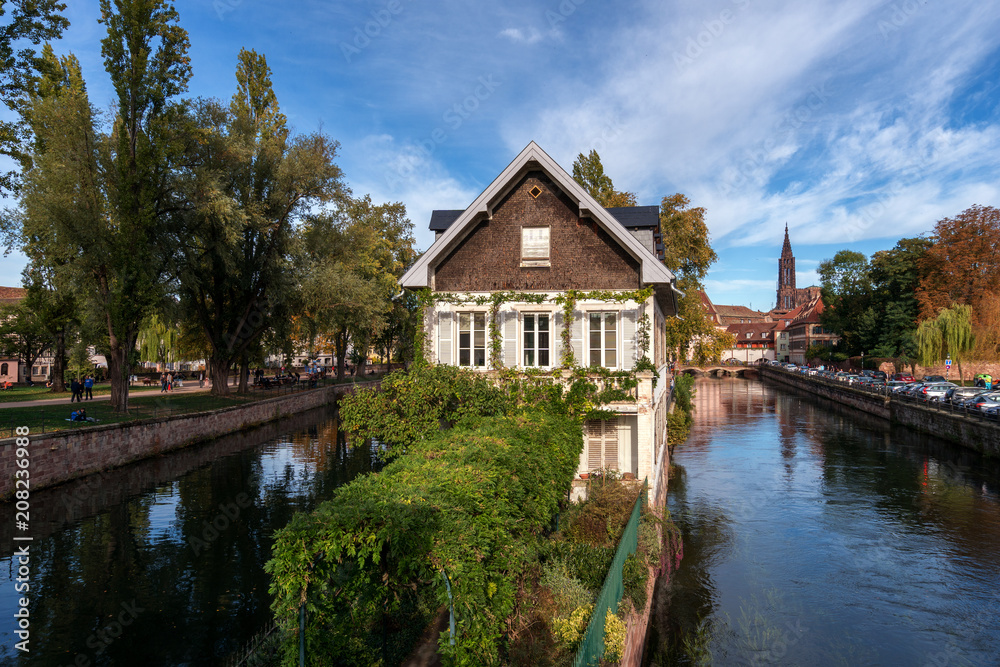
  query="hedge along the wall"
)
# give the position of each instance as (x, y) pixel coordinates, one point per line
(468, 501)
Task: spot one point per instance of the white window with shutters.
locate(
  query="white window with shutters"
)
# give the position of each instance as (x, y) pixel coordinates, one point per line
(472, 340)
(602, 340)
(602, 445)
(535, 246)
(536, 340)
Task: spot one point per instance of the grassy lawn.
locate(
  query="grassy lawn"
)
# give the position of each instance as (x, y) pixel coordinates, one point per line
(39, 392)
(53, 417)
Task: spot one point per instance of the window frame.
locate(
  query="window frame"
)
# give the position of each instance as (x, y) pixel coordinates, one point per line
(587, 340)
(537, 260)
(472, 332)
(536, 347)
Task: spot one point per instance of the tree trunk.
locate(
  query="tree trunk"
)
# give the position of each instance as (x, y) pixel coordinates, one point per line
(118, 372)
(363, 356)
(58, 368)
(340, 349)
(218, 370)
(244, 374)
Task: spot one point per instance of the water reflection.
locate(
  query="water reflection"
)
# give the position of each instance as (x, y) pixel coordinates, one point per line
(815, 535)
(161, 563)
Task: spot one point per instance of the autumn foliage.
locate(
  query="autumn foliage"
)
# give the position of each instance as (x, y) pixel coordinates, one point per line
(962, 267)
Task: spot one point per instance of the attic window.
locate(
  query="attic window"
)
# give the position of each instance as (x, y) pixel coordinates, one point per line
(535, 191)
(535, 246)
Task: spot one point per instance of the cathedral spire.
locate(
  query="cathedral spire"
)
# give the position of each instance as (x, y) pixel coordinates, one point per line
(787, 296)
(786, 249)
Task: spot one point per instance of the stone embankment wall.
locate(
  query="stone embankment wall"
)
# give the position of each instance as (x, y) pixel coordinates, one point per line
(971, 432)
(65, 455)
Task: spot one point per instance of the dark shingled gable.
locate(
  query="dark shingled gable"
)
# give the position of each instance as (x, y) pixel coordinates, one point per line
(630, 217)
(441, 220)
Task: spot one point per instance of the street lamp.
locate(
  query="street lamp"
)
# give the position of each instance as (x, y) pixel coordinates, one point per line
(862, 360)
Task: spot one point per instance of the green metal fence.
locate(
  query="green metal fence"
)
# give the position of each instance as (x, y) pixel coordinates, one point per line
(592, 647)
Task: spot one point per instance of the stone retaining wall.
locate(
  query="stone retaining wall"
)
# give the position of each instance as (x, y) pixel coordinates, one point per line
(65, 455)
(957, 428)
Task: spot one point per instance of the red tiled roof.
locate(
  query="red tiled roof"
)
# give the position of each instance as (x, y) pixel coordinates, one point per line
(13, 293)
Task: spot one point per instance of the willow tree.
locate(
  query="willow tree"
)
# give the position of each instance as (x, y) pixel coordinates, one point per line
(158, 340)
(252, 184)
(948, 336)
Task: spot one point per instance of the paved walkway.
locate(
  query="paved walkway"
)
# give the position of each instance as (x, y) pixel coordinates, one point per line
(134, 392)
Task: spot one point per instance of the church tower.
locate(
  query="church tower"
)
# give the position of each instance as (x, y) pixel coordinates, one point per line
(786, 276)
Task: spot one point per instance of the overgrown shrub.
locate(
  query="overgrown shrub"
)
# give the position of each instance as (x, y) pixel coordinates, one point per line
(568, 592)
(471, 502)
(614, 638)
(635, 574)
(412, 406)
(569, 630)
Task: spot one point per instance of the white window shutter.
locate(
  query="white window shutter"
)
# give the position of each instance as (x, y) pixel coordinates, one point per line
(611, 443)
(578, 340)
(556, 339)
(510, 338)
(628, 339)
(595, 443)
(445, 338)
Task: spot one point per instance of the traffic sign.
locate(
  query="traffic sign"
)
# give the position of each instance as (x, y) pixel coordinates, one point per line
(947, 363)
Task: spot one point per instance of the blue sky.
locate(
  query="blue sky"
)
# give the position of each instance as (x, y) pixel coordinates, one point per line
(855, 122)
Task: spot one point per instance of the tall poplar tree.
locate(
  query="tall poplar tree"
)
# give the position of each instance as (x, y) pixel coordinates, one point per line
(128, 252)
(61, 199)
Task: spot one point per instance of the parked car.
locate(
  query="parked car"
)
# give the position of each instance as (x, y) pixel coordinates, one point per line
(934, 378)
(903, 377)
(896, 385)
(867, 373)
(935, 391)
(957, 395)
(881, 375)
(984, 402)
(912, 389)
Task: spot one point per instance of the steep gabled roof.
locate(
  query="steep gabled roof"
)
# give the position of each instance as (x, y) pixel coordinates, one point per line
(652, 271)
(630, 217)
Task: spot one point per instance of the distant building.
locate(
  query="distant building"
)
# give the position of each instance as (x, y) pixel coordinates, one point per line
(755, 341)
(790, 297)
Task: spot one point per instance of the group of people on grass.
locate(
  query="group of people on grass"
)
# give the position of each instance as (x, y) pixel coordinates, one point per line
(78, 388)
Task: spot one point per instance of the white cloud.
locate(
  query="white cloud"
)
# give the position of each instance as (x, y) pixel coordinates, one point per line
(518, 36)
(389, 171)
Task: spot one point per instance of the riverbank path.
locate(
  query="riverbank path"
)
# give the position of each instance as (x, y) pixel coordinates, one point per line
(133, 393)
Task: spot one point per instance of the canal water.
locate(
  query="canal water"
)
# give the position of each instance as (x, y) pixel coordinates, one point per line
(162, 562)
(814, 536)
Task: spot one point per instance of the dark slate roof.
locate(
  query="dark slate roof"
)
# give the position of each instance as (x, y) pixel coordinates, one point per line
(441, 220)
(631, 217)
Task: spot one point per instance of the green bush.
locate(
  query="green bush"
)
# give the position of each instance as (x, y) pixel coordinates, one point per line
(635, 574)
(568, 592)
(614, 638)
(412, 406)
(472, 502)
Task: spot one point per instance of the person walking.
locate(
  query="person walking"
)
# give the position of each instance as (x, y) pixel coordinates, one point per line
(74, 388)
(163, 383)
(88, 385)
(201, 379)
(170, 381)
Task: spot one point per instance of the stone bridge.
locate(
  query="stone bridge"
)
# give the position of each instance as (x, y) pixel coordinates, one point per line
(721, 371)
